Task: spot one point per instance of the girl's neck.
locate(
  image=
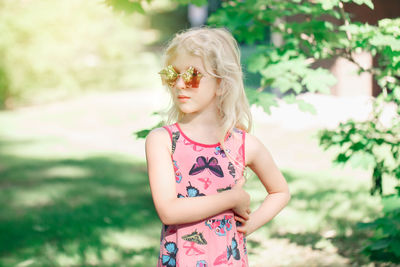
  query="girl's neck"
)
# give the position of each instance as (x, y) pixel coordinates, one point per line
(200, 125)
(209, 119)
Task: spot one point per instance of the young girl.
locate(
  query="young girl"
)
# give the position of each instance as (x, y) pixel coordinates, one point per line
(196, 163)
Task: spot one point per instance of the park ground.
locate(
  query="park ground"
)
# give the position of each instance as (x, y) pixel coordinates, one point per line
(74, 188)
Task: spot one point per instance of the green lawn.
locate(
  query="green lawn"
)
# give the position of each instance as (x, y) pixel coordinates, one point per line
(66, 202)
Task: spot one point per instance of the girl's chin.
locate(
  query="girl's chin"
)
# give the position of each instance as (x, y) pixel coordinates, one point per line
(185, 109)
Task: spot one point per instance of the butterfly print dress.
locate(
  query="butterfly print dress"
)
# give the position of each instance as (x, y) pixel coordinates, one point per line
(202, 170)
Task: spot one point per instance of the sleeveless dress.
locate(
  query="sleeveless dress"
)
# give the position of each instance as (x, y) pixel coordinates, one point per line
(201, 170)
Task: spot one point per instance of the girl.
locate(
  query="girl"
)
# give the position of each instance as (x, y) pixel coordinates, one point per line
(196, 164)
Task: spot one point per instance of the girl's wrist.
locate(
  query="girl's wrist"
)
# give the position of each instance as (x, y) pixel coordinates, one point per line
(230, 197)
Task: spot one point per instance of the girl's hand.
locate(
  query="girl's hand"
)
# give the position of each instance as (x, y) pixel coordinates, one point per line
(242, 225)
(242, 206)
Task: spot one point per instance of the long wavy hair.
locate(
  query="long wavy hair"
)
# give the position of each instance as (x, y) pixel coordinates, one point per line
(220, 55)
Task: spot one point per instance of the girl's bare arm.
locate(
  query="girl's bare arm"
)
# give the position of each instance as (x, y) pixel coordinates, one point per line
(173, 210)
(259, 159)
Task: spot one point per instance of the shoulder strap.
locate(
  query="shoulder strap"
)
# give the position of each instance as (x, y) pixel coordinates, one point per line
(236, 145)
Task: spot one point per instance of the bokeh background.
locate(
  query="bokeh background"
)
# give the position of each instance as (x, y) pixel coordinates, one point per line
(79, 87)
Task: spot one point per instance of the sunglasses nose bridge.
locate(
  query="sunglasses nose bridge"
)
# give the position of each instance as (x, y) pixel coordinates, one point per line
(179, 82)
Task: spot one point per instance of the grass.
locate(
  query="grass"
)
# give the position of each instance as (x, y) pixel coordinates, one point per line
(76, 211)
(75, 202)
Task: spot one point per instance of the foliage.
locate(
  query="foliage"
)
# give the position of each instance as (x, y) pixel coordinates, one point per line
(54, 49)
(312, 31)
(367, 144)
(384, 245)
(373, 143)
(316, 30)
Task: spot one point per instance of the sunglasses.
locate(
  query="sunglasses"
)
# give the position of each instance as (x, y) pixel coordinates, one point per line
(191, 77)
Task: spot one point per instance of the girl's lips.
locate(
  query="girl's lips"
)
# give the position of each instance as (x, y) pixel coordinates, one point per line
(182, 98)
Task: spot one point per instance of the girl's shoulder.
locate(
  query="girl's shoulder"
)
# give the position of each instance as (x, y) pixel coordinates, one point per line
(158, 137)
(253, 148)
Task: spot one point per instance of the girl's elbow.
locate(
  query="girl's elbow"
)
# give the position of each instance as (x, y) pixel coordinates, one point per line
(166, 220)
(288, 197)
(167, 216)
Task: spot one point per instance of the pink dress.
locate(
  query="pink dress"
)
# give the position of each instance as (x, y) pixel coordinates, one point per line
(200, 170)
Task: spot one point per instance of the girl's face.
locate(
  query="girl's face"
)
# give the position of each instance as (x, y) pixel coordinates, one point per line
(191, 99)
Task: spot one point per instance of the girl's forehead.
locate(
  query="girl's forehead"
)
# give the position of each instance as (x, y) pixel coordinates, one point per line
(183, 61)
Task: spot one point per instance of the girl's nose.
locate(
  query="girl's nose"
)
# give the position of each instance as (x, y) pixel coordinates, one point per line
(179, 83)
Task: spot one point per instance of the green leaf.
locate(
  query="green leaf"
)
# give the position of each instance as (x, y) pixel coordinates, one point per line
(125, 6)
(328, 4)
(143, 133)
(362, 160)
(391, 203)
(256, 62)
(306, 107)
(341, 158)
(383, 243)
(199, 2)
(395, 246)
(386, 40)
(263, 99)
(320, 80)
(366, 2)
(290, 99)
(365, 226)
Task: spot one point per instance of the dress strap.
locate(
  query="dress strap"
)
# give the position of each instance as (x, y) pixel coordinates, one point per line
(235, 143)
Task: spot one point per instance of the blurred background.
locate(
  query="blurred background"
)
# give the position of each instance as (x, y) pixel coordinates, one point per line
(79, 90)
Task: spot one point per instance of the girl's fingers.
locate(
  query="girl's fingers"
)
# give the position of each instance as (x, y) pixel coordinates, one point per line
(249, 210)
(244, 216)
(242, 229)
(240, 219)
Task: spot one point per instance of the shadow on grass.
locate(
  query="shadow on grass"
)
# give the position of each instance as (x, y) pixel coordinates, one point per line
(95, 210)
(336, 209)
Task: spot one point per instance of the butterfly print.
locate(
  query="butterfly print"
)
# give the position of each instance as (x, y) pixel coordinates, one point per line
(175, 137)
(201, 263)
(233, 250)
(244, 245)
(202, 164)
(231, 169)
(229, 136)
(191, 192)
(219, 190)
(192, 249)
(195, 147)
(178, 174)
(170, 229)
(236, 130)
(219, 151)
(221, 259)
(169, 260)
(195, 237)
(220, 227)
(207, 182)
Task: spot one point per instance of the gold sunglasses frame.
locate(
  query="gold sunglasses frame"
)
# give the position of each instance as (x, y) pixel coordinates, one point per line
(191, 76)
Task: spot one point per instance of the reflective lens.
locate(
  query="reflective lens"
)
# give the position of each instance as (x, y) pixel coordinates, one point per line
(191, 76)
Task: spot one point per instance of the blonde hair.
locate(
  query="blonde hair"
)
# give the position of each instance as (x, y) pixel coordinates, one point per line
(217, 49)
